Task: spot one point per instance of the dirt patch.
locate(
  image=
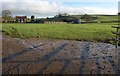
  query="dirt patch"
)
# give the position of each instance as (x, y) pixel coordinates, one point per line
(47, 56)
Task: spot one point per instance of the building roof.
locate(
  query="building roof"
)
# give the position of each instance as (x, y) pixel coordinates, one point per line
(21, 17)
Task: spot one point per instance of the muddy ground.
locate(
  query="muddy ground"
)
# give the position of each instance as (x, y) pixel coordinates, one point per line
(47, 56)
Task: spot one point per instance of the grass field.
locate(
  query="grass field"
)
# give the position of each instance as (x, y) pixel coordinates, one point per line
(86, 32)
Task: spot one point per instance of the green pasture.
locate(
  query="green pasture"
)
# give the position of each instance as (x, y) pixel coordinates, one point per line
(101, 17)
(106, 18)
(85, 32)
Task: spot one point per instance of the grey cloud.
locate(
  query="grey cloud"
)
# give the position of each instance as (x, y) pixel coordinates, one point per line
(45, 8)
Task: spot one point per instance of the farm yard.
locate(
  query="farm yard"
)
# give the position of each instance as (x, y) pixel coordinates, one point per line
(59, 37)
(50, 56)
(58, 49)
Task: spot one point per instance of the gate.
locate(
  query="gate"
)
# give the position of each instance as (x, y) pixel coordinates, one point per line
(117, 40)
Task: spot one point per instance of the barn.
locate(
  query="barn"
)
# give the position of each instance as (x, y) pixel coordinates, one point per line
(55, 22)
(21, 19)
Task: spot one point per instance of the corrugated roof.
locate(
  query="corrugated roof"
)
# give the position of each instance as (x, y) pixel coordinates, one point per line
(21, 17)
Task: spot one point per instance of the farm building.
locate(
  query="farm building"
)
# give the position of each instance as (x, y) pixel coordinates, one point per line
(76, 21)
(6, 20)
(55, 22)
(21, 19)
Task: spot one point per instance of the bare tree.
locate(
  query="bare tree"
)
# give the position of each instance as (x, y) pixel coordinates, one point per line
(7, 15)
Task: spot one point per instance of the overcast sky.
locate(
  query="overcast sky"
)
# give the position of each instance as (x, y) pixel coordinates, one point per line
(49, 8)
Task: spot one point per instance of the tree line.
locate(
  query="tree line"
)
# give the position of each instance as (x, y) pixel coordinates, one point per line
(7, 17)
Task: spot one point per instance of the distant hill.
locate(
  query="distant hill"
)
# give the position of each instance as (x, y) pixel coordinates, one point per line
(83, 18)
(99, 18)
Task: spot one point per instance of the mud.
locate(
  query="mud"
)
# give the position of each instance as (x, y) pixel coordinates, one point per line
(47, 56)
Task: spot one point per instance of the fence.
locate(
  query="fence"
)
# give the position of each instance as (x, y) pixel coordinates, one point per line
(117, 33)
(117, 40)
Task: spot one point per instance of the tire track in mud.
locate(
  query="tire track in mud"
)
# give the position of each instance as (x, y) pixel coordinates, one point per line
(47, 57)
(6, 59)
(115, 67)
(66, 62)
(109, 61)
(84, 56)
(55, 51)
(98, 71)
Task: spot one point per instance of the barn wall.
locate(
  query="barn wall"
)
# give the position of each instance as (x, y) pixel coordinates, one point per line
(53, 22)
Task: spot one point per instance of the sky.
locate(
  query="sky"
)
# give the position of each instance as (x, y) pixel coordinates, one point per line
(50, 8)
